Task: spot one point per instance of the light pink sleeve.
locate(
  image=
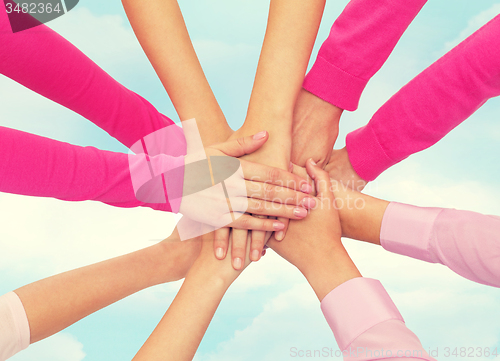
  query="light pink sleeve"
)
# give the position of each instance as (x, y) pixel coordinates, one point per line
(14, 326)
(48, 64)
(360, 41)
(367, 325)
(466, 242)
(431, 105)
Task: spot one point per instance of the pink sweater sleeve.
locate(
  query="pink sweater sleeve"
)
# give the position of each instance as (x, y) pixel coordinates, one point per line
(367, 325)
(466, 242)
(46, 63)
(360, 41)
(431, 105)
(42, 167)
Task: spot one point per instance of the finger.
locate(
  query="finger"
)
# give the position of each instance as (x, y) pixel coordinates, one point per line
(257, 245)
(263, 173)
(321, 180)
(255, 223)
(221, 242)
(239, 246)
(245, 145)
(265, 208)
(278, 194)
(280, 235)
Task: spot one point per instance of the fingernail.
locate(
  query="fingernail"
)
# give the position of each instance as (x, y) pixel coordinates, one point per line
(255, 255)
(263, 253)
(259, 135)
(278, 225)
(312, 161)
(219, 253)
(306, 188)
(309, 202)
(300, 212)
(279, 236)
(237, 263)
(290, 167)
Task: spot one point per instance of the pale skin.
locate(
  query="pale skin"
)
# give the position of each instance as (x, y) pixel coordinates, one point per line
(314, 244)
(291, 31)
(183, 326)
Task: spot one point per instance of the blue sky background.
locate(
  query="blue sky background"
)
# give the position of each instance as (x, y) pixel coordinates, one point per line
(270, 308)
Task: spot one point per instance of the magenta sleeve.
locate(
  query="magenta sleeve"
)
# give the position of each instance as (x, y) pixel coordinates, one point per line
(37, 166)
(431, 105)
(367, 325)
(466, 242)
(360, 41)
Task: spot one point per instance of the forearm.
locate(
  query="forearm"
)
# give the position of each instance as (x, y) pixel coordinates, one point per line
(290, 36)
(160, 28)
(183, 326)
(59, 301)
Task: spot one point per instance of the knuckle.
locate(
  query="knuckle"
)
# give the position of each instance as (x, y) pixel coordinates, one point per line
(269, 191)
(274, 175)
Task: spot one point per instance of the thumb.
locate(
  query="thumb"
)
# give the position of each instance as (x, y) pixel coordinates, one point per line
(321, 180)
(245, 145)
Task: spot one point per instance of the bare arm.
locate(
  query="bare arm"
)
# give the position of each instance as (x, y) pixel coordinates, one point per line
(160, 28)
(181, 330)
(57, 302)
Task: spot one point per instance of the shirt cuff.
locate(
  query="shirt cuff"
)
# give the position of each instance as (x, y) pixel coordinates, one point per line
(407, 230)
(334, 85)
(367, 156)
(14, 328)
(355, 306)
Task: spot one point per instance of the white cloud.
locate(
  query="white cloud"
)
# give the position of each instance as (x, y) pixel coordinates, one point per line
(60, 347)
(473, 24)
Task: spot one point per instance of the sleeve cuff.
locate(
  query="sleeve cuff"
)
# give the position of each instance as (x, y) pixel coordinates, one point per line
(407, 229)
(14, 328)
(355, 306)
(367, 156)
(334, 85)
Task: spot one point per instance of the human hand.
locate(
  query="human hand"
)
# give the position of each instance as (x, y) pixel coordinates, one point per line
(314, 244)
(251, 187)
(315, 129)
(339, 167)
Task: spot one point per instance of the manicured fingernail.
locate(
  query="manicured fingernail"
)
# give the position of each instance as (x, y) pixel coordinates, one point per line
(279, 236)
(309, 202)
(255, 255)
(306, 188)
(237, 263)
(278, 225)
(259, 135)
(219, 253)
(263, 252)
(312, 161)
(300, 212)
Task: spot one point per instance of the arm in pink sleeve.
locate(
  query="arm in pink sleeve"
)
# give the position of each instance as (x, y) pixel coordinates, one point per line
(37, 166)
(360, 41)
(466, 242)
(14, 326)
(367, 325)
(45, 62)
(431, 105)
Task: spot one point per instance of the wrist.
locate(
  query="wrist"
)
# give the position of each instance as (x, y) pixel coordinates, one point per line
(330, 271)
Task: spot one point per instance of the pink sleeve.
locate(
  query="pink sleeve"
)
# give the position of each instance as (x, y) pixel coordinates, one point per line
(45, 62)
(431, 105)
(367, 325)
(360, 41)
(37, 166)
(466, 242)
(14, 326)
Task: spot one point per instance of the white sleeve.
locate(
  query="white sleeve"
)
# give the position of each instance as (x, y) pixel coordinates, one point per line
(14, 326)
